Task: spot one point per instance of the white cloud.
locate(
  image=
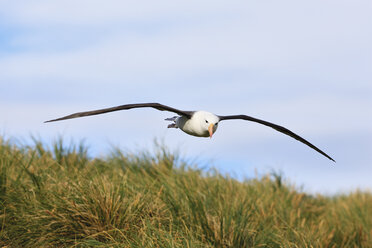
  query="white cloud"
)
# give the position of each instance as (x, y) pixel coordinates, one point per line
(285, 37)
(98, 13)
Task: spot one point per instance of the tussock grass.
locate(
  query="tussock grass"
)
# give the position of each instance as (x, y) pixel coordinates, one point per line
(60, 197)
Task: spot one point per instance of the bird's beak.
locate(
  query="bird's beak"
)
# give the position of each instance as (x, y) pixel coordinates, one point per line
(210, 129)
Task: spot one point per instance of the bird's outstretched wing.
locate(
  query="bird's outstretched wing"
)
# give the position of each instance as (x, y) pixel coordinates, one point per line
(277, 128)
(157, 106)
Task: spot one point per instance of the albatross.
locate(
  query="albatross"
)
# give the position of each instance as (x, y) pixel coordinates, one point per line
(196, 123)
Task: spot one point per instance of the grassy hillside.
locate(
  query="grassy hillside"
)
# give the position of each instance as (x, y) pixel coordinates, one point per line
(59, 197)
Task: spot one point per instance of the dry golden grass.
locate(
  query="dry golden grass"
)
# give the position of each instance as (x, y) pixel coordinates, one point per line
(61, 198)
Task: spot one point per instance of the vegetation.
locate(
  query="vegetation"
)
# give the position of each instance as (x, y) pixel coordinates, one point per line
(60, 197)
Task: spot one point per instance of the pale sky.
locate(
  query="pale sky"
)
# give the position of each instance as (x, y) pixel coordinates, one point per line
(304, 65)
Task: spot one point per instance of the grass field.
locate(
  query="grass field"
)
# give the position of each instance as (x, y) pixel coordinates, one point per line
(59, 197)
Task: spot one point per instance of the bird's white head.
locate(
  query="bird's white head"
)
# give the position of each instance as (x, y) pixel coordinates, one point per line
(208, 122)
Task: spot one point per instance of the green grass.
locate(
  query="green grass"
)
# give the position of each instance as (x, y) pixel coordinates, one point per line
(60, 197)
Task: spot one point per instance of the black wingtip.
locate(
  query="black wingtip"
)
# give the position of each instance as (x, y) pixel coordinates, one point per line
(51, 120)
(330, 158)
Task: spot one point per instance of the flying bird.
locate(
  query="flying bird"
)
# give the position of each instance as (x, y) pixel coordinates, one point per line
(196, 123)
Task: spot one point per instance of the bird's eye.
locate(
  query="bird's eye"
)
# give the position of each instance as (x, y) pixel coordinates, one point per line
(216, 124)
(206, 121)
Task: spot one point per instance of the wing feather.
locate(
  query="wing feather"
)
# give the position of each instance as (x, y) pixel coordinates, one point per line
(157, 106)
(277, 128)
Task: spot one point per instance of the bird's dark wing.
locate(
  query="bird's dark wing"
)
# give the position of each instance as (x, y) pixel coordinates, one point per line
(157, 106)
(277, 128)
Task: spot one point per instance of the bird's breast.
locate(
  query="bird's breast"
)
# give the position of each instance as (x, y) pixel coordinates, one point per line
(191, 126)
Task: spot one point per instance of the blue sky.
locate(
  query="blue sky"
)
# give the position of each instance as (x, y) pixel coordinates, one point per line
(303, 65)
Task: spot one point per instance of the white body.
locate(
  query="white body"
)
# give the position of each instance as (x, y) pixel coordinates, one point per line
(199, 124)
